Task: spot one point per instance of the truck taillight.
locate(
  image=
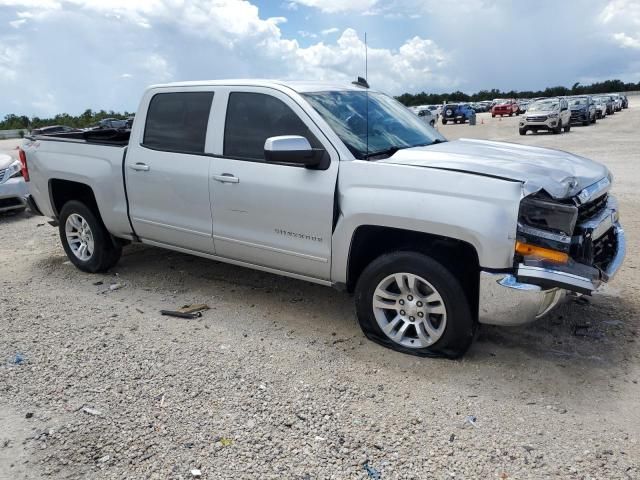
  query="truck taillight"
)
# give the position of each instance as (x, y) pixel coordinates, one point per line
(23, 163)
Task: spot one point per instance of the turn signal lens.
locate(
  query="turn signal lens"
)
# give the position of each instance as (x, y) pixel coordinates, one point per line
(526, 249)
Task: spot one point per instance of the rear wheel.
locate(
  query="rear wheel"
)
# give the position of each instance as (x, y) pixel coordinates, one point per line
(594, 119)
(86, 240)
(406, 301)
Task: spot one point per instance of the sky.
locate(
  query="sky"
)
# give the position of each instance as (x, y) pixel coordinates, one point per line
(69, 55)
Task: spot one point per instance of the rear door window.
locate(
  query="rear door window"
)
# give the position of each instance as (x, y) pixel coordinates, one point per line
(177, 122)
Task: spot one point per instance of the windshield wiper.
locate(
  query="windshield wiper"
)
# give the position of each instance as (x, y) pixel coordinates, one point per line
(391, 150)
(388, 152)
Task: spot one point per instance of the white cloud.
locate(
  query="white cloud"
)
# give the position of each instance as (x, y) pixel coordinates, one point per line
(329, 31)
(177, 40)
(334, 6)
(627, 41)
(416, 63)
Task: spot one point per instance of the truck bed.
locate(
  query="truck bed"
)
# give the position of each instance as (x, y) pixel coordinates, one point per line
(101, 136)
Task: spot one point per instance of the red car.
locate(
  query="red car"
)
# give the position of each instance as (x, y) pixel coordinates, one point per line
(505, 107)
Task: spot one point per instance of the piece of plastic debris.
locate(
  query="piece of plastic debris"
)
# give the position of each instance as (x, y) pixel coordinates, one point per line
(29, 415)
(68, 262)
(17, 359)
(226, 442)
(115, 286)
(195, 473)
(91, 411)
(372, 472)
(175, 313)
(452, 437)
(196, 307)
(139, 311)
(471, 420)
(99, 282)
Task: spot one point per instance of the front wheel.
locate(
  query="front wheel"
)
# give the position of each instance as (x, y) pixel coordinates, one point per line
(408, 302)
(522, 131)
(86, 240)
(567, 128)
(558, 129)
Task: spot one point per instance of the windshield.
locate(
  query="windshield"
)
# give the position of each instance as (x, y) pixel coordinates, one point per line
(542, 106)
(391, 126)
(578, 101)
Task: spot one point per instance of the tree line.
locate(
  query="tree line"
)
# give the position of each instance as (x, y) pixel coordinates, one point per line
(608, 86)
(86, 119)
(90, 118)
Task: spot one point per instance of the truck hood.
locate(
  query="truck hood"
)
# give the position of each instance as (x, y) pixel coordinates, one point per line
(560, 174)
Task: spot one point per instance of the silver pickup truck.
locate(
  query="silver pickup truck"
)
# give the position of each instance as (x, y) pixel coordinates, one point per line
(342, 186)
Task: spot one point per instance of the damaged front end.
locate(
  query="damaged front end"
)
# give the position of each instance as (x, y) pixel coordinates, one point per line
(576, 245)
(571, 245)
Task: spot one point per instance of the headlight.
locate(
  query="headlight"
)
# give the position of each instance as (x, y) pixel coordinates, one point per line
(14, 170)
(553, 115)
(547, 224)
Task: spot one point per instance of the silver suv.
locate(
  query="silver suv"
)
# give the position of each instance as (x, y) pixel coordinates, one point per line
(551, 114)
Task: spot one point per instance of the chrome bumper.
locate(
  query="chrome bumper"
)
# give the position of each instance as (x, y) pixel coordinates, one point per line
(506, 301)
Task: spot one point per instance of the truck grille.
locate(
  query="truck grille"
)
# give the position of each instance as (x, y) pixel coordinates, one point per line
(604, 249)
(538, 118)
(588, 210)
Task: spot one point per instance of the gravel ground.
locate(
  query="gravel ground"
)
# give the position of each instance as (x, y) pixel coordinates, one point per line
(276, 381)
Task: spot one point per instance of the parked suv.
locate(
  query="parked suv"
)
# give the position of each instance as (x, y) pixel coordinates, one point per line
(583, 110)
(458, 113)
(601, 107)
(505, 107)
(550, 114)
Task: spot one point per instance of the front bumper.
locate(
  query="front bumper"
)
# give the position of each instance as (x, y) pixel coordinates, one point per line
(13, 194)
(579, 116)
(534, 291)
(533, 124)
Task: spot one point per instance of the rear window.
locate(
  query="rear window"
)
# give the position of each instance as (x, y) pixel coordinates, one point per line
(177, 122)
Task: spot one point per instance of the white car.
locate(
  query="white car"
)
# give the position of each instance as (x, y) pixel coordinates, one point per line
(601, 107)
(13, 190)
(426, 115)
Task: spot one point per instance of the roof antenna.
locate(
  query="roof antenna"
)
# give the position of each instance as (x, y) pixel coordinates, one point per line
(362, 82)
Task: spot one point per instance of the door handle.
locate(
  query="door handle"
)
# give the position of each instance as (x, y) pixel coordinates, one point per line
(226, 178)
(140, 167)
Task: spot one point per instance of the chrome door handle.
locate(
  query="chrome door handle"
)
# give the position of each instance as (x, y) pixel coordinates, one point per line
(226, 178)
(140, 167)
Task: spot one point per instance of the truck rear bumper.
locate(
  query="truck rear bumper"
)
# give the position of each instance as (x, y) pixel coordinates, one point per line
(504, 300)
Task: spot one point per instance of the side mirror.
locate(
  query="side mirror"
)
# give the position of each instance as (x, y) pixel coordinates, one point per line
(292, 149)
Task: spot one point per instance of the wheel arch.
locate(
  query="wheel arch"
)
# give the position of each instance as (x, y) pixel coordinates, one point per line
(371, 241)
(61, 191)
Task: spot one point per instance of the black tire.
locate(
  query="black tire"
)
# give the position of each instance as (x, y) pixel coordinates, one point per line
(594, 119)
(511, 114)
(106, 252)
(444, 122)
(522, 131)
(558, 128)
(567, 128)
(460, 325)
(586, 122)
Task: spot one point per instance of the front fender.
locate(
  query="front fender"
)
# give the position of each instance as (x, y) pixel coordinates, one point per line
(476, 209)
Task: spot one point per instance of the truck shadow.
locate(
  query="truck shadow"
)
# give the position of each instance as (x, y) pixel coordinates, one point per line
(599, 329)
